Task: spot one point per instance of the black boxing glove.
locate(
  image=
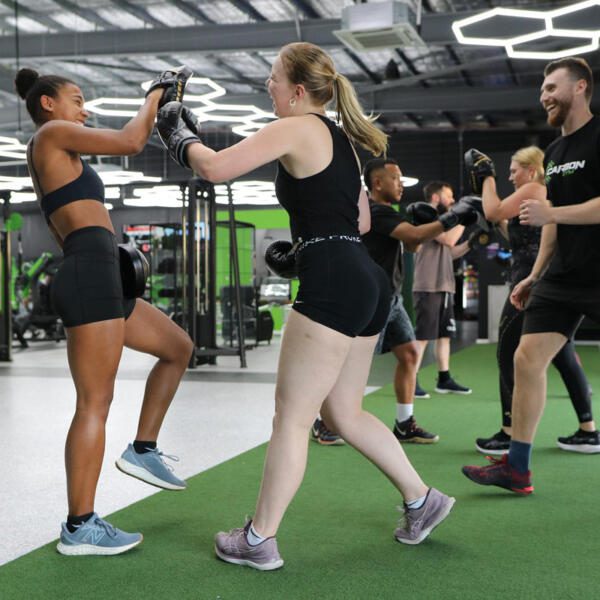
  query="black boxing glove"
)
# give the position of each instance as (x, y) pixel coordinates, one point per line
(467, 211)
(177, 128)
(420, 213)
(280, 257)
(173, 84)
(478, 166)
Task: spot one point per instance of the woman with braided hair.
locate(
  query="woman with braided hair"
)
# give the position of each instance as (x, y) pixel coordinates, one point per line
(344, 296)
(88, 295)
(527, 176)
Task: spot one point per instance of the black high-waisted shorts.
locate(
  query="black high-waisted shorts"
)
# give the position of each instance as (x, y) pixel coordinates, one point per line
(87, 287)
(341, 287)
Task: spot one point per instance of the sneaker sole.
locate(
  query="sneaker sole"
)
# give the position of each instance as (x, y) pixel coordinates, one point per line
(434, 440)
(492, 452)
(442, 391)
(140, 473)
(277, 564)
(339, 442)
(443, 514)
(422, 397)
(580, 448)
(91, 550)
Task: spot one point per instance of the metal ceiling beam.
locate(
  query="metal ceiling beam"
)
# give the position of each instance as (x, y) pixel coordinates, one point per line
(191, 10)
(85, 13)
(264, 35)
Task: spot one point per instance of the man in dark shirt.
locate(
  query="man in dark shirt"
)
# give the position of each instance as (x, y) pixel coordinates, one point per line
(564, 283)
(389, 232)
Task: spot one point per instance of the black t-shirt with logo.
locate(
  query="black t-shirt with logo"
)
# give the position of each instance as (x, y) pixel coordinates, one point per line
(572, 165)
(386, 251)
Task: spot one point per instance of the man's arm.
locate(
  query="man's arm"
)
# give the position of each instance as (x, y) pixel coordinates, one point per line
(545, 253)
(451, 237)
(537, 214)
(460, 250)
(414, 235)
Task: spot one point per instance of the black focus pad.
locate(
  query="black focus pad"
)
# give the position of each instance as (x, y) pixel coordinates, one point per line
(478, 166)
(134, 271)
(173, 83)
(281, 259)
(420, 213)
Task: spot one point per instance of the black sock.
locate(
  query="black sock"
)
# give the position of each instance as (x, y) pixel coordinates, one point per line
(73, 522)
(142, 447)
(443, 376)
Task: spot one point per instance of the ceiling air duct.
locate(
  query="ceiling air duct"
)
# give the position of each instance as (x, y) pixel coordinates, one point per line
(379, 25)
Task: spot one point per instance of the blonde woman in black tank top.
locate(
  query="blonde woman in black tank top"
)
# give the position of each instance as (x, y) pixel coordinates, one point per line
(344, 296)
(99, 321)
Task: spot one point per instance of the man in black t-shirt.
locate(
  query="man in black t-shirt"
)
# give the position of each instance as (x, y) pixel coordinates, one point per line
(564, 284)
(389, 232)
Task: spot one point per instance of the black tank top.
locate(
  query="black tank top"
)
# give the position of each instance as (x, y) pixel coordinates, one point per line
(88, 186)
(524, 244)
(325, 203)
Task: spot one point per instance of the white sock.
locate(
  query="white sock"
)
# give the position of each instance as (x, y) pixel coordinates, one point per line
(403, 412)
(254, 539)
(418, 503)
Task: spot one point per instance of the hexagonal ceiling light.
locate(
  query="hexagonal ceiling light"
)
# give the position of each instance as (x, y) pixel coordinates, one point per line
(534, 26)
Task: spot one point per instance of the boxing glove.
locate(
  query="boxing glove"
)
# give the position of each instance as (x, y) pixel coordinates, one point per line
(177, 128)
(281, 259)
(420, 213)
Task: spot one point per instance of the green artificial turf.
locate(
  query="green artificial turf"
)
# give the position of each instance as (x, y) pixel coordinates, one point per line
(337, 537)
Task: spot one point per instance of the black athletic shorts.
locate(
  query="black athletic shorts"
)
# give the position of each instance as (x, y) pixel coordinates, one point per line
(342, 288)
(434, 314)
(87, 287)
(560, 308)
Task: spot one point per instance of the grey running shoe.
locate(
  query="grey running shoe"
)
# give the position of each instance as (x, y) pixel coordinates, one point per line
(233, 547)
(97, 537)
(420, 522)
(151, 468)
(585, 442)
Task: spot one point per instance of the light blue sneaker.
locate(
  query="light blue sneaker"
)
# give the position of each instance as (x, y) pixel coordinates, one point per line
(151, 468)
(96, 536)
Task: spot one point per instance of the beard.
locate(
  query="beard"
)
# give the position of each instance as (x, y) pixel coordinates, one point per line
(559, 115)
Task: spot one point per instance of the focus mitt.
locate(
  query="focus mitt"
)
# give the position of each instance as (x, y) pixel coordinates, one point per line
(478, 166)
(173, 84)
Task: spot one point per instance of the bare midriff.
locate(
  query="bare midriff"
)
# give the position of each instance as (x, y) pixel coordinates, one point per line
(79, 214)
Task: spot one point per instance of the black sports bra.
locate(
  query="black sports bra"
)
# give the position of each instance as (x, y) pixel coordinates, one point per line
(88, 186)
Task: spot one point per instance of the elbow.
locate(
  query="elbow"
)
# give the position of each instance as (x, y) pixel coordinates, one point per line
(207, 169)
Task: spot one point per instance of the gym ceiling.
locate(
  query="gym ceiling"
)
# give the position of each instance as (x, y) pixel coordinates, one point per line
(109, 47)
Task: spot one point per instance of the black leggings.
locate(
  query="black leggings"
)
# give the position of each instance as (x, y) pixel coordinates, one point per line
(511, 323)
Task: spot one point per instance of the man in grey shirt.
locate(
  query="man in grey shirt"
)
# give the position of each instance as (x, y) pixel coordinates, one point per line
(434, 287)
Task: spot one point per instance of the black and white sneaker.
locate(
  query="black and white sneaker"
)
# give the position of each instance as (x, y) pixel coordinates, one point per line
(451, 387)
(585, 442)
(496, 445)
(409, 432)
(420, 392)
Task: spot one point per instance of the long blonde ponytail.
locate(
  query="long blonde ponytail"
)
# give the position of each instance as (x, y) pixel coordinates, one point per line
(311, 66)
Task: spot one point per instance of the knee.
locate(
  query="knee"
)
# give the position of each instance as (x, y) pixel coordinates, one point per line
(179, 349)
(94, 404)
(527, 359)
(408, 355)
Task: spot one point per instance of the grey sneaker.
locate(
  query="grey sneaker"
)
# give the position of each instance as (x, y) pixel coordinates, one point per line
(420, 522)
(151, 468)
(233, 547)
(98, 537)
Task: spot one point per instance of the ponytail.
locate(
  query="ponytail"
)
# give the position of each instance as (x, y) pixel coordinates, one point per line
(354, 122)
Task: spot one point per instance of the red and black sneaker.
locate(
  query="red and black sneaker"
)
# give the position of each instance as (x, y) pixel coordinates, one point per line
(500, 473)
